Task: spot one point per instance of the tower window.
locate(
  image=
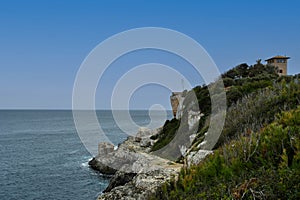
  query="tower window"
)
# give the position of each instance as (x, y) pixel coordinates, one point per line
(280, 61)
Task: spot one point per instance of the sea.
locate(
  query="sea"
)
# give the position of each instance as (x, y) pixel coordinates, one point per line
(42, 156)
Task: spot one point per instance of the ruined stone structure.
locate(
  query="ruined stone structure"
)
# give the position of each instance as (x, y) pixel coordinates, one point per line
(177, 99)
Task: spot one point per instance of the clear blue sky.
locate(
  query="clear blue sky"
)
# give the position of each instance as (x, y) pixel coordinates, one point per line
(43, 43)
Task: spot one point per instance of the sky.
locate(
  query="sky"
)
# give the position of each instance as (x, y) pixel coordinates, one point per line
(43, 43)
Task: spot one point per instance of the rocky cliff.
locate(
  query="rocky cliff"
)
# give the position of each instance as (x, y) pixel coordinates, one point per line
(137, 173)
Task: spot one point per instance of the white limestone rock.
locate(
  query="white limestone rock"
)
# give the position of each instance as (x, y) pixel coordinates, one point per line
(195, 157)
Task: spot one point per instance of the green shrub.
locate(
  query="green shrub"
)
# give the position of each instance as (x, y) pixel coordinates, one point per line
(166, 135)
(253, 111)
(262, 165)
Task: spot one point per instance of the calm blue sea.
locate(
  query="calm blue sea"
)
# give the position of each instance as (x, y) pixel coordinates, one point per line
(42, 157)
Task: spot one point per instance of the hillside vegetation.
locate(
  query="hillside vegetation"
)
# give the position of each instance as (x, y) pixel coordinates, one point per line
(260, 165)
(257, 155)
(255, 94)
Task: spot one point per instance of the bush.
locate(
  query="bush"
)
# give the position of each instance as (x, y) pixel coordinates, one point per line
(262, 165)
(167, 134)
(255, 110)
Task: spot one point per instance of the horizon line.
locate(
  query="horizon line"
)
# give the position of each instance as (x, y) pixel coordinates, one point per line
(66, 109)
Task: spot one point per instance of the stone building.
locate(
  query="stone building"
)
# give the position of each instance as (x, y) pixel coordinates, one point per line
(280, 62)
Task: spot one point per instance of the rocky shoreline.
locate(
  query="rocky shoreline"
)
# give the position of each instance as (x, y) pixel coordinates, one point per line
(136, 172)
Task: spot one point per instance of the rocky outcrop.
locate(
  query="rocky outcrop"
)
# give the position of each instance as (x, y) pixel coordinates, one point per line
(193, 118)
(194, 157)
(103, 168)
(142, 186)
(119, 179)
(137, 172)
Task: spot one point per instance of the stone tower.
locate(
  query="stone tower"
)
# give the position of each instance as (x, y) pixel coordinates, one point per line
(177, 99)
(280, 62)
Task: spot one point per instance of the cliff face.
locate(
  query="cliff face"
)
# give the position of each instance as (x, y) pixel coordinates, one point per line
(138, 173)
(138, 169)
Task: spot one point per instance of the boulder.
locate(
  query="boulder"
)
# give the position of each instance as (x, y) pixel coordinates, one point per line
(99, 166)
(145, 142)
(105, 148)
(119, 179)
(144, 132)
(195, 157)
(142, 186)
